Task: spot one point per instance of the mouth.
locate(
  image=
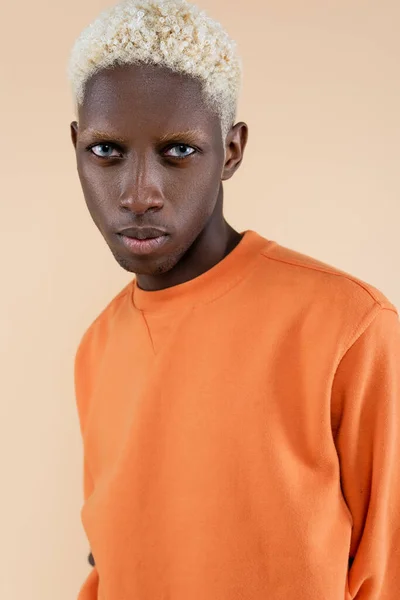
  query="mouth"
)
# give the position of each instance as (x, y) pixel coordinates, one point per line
(143, 240)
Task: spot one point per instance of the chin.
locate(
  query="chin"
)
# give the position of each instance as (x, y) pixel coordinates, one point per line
(146, 266)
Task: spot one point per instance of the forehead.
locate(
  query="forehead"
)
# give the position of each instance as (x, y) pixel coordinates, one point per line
(148, 98)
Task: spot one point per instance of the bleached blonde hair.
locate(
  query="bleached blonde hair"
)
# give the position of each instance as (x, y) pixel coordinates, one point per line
(169, 33)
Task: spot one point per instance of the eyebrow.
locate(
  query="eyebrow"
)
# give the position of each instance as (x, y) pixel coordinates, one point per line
(98, 135)
(190, 136)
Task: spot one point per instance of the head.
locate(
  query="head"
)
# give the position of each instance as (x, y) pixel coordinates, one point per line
(155, 85)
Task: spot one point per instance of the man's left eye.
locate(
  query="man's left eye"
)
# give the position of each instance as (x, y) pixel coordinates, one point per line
(180, 151)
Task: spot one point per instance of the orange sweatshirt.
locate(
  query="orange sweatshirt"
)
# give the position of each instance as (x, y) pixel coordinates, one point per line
(241, 436)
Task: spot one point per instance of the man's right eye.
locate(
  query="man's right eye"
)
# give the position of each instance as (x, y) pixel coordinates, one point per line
(103, 147)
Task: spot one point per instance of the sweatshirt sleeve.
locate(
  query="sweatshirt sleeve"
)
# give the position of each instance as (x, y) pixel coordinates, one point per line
(89, 589)
(367, 438)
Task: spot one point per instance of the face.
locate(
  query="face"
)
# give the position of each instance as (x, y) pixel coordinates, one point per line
(151, 161)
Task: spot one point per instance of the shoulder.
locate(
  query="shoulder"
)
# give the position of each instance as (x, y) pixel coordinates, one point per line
(332, 302)
(90, 351)
(96, 334)
(331, 282)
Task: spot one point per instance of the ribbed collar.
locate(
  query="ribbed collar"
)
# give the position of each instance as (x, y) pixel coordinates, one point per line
(209, 285)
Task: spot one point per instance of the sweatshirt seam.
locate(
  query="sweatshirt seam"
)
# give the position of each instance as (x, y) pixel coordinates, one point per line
(352, 339)
(359, 330)
(356, 334)
(327, 272)
(148, 330)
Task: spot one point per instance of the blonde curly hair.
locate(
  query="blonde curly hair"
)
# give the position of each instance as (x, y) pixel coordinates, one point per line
(169, 33)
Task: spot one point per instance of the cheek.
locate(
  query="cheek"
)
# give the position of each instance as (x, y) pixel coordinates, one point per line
(97, 191)
(199, 192)
(206, 193)
(94, 183)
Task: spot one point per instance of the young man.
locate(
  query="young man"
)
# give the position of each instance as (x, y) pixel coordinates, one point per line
(239, 402)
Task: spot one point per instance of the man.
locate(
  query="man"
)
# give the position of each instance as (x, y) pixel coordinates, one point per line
(239, 402)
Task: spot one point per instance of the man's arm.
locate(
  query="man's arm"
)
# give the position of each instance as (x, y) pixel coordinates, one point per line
(367, 438)
(89, 590)
(83, 359)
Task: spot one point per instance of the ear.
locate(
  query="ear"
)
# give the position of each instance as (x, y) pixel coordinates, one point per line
(74, 132)
(235, 144)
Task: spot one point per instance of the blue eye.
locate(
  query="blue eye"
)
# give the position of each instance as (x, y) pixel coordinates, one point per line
(180, 151)
(104, 150)
(108, 146)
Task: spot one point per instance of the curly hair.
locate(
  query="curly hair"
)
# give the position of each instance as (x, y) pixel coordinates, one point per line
(170, 33)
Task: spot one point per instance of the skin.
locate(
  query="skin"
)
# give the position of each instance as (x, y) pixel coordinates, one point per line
(146, 173)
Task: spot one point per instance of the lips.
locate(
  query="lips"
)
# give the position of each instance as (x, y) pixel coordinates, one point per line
(144, 245)
(142, 233)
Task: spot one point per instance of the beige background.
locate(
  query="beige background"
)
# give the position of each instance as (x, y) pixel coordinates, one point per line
(321, 175)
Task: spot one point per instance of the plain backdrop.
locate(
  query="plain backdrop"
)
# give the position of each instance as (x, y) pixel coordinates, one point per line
(321, 96)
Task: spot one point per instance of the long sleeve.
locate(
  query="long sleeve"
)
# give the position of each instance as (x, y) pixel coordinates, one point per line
(367, 438)
(89, 589)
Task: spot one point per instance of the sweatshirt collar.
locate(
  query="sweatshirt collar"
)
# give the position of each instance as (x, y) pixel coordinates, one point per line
(209, 285)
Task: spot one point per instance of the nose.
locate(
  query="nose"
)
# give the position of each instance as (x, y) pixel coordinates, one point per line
(141, 186)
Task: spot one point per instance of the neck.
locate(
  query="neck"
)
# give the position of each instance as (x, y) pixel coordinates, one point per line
(216, 240)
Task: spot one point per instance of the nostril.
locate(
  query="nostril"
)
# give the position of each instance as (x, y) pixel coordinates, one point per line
(91, 560)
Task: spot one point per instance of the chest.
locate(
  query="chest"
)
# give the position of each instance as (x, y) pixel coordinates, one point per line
(210, 391)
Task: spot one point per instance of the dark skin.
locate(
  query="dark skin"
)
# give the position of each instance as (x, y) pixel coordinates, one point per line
(146, 170)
